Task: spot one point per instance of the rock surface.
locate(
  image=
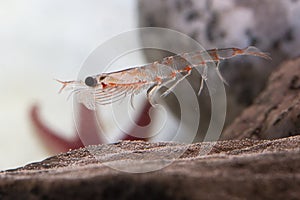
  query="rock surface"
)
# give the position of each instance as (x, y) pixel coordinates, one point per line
(246, 169)
(240, 23)
(276, 111)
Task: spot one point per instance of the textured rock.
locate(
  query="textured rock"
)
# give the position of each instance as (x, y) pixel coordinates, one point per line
(271, 25)
(276, 111)
(245, 169)
(218, 23)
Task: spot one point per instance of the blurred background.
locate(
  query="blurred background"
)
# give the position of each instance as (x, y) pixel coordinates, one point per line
(43, 40)
(40, 41)
(273, 26)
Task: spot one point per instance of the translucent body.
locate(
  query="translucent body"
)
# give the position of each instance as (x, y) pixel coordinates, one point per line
(107, 88)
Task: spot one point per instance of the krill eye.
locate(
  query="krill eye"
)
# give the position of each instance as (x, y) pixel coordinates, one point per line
(90, 81)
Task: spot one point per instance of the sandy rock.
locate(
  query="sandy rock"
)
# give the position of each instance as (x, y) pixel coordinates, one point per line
(246, 169)
(276, 111)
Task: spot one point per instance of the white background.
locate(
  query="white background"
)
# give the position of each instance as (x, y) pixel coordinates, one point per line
(40, 41)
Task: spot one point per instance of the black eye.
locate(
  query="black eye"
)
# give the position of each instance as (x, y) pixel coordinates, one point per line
(90, 81)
